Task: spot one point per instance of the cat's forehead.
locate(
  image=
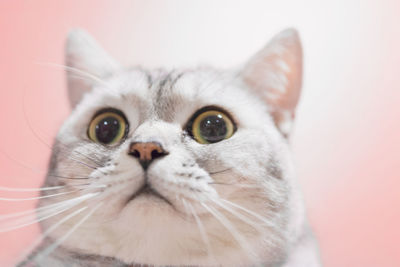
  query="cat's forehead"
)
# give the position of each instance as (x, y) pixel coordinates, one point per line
(160, 84)
(171, 94)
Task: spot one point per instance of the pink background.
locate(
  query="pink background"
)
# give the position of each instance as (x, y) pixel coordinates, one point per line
(347, 138)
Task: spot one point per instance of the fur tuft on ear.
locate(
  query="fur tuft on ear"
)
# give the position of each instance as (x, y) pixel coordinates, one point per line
(87, 63)
(275, 74)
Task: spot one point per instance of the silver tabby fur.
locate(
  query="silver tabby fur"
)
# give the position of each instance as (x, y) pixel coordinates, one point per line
(231, 203)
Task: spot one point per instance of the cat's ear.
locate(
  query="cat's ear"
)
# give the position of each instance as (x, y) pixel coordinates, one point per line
(87, 64)
(275, 74)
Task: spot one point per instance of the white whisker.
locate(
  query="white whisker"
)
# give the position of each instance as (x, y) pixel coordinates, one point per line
(51, 248)
(49, 231)
(43, 215)
(235, 184)
(235, 234)
(11, 189)
(51, 206)
(238, 215)
(261, 218)
(76, 71)
(40, 138)
(33, 211)
(39, 189)
(245, 219)
(184, 204)
(31, 221)
(202, 230)
(40, 197)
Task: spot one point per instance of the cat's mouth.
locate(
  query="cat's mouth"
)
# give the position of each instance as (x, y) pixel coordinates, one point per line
(147, 191)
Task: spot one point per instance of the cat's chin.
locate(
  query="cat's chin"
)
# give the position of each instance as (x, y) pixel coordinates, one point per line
(147, 194)
(149, 199)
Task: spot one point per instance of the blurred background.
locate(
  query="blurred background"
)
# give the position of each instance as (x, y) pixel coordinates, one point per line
(347, 138)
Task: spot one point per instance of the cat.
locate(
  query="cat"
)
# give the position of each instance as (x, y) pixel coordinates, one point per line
(185, 167)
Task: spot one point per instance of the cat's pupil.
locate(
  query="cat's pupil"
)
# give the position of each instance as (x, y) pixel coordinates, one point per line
(213, 128)
(107, 129)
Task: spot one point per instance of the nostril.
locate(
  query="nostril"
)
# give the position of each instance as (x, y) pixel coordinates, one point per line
(156, 154)
(135, 153)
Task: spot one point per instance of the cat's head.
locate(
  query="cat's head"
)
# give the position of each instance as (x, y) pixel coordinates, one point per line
(180, 167)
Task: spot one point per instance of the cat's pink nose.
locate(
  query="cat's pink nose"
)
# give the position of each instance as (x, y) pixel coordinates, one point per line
(146, 152)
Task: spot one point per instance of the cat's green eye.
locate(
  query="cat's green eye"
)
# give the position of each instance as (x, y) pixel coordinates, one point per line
(108, 127)
(210, 126)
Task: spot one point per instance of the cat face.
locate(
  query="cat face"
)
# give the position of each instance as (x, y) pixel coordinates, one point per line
(181, 167)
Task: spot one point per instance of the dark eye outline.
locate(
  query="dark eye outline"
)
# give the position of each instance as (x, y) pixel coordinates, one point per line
(189, 125)
(119, 114)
